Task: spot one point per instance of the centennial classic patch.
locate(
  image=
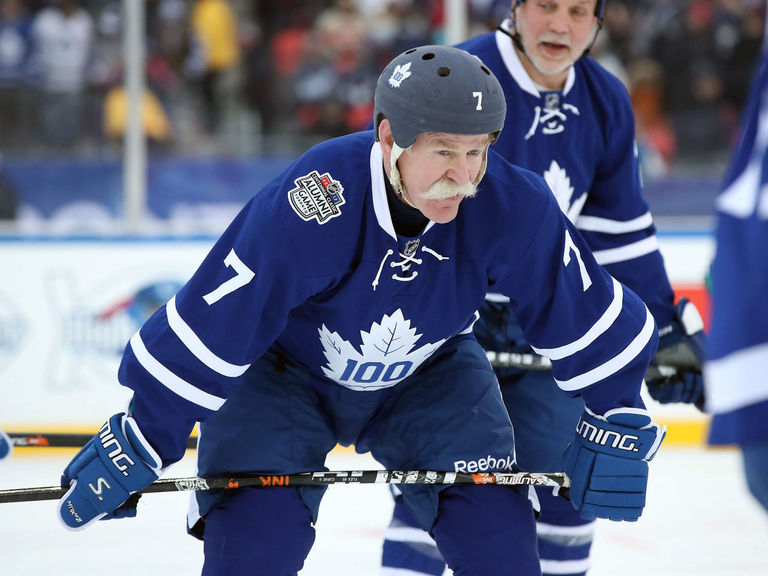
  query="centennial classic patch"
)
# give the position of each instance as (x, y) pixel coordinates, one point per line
(316, 196)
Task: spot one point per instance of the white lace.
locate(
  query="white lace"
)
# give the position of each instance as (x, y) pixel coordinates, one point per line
(404, 264)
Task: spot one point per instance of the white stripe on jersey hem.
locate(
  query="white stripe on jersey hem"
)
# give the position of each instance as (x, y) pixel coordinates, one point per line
(496, 297)
(733, 381)
(196, 346)
(390, 571)
(582, 530)
(598, 328)
(407, 534)
(616, 363)
(170, 380)
(607, 226)
(628, 252)
(564, 566)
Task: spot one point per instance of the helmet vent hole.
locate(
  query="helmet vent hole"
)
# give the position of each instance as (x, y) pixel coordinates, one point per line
(484, 69)
(428, 56)
(443, 71)
(411, 51)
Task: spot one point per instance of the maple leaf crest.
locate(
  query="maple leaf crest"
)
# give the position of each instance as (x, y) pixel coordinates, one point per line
(560, 184)
(386, 356)
(400, 73)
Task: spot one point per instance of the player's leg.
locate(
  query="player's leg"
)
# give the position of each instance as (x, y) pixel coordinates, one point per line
(450, 416)
(268, 528)
(273, 421)
(756, 470)
(545, 419)
(408, 549)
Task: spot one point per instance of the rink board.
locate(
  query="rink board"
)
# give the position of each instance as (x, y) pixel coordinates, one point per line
(68, 306)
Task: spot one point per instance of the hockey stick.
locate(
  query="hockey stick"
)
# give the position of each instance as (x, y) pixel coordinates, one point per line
(554, 479)
(62, 440)
(538, 363)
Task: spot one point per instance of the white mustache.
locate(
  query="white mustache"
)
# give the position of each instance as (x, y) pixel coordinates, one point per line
(444, 188)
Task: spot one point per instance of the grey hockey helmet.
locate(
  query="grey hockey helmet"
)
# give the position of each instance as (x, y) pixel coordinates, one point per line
(438, 89)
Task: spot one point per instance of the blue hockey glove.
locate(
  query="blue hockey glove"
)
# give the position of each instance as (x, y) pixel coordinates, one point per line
(6, 446)
(115, 463)
(675, 371)
(608, 463)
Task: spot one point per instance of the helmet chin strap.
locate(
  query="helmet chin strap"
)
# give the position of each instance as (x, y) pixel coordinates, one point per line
(394, 174)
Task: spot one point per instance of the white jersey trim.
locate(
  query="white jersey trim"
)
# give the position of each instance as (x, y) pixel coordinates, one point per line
(408, 534)
(607, 226)
(170, 380)
(616, 363)
(628, 252)
(496, 297)
(733, 381)
(564, 566)
(598, 328)
(196, 346)
(379, 191)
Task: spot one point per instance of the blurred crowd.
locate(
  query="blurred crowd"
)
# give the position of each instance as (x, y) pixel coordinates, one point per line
(249, 76)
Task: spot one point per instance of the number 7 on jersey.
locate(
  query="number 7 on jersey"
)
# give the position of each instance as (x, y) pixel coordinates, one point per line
(243, 275)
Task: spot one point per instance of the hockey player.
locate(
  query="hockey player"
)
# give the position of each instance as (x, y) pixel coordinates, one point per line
(737, 390)
(570, 121)
(6, 446)
(338, 308)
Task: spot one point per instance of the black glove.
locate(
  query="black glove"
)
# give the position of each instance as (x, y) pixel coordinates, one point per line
(675, 371)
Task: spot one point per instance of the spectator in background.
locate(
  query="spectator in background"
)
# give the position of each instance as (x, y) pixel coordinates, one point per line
(62, 39)
(336, 79)
(690, 49)
(157, 127)
(214, 61)
(655, 137)
(15, 51)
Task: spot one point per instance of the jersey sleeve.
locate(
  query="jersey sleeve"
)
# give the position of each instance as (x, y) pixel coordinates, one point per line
(616, 220)
(599, 334)
(185, 359)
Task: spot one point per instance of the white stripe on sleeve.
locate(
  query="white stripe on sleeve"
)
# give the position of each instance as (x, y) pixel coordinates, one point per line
(614, 364)
(605, 322)
(170, 380)
(606, 226)
(196, 346)
(628, 252)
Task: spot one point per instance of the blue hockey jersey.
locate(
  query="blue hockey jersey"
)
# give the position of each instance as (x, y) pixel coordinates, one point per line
(736, 385)
(313, 268)
(582, 141)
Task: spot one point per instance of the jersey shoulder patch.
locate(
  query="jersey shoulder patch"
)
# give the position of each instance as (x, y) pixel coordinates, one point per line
(316, 196)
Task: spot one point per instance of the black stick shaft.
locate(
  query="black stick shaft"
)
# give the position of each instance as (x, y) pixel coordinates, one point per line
(62, 440)
(523, 361)
(555, 479)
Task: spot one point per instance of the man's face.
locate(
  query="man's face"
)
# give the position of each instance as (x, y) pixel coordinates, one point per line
(440, 170)
(554, 34)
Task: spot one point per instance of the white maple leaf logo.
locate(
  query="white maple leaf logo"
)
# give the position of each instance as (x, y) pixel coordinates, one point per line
(386, 356)
(400, 73)
(560, 184)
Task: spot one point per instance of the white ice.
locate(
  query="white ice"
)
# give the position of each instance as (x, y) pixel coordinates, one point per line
(699, 520)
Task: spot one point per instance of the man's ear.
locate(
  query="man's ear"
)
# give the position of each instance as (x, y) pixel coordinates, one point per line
(386, 139)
